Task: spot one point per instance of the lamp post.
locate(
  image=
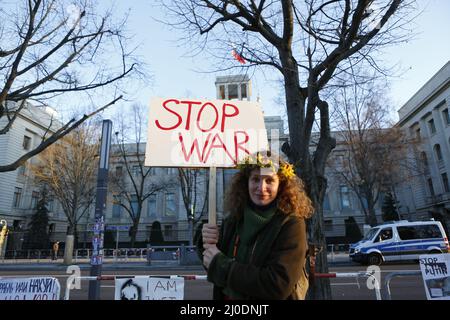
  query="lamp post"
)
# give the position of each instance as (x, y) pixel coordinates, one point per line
(100, 205)
(191, 224)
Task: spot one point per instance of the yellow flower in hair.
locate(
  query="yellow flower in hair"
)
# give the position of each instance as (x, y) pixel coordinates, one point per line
(287, 170)
(259, 159)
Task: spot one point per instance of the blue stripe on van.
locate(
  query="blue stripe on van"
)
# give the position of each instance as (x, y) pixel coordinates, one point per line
(405, 245)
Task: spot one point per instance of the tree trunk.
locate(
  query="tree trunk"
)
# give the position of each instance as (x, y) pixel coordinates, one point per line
(298, 153)
(133, 232)
(320, 288)
(68, 248)
(134, 228)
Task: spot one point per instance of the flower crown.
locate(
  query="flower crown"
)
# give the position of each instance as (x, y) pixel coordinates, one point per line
(249, 162)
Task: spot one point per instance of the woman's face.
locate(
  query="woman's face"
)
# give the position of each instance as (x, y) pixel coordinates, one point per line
(263, 187)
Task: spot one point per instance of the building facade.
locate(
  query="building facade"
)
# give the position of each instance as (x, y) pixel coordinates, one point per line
(425, 119)
(341, 206)
(18, 193)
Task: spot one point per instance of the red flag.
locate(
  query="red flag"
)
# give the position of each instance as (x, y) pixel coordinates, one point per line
(238, 57)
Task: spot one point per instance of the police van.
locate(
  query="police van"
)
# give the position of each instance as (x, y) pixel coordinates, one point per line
(399, 241)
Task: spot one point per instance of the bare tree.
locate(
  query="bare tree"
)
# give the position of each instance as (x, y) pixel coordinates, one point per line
(51, 48)
(373, 150)
(194, 189)
(68, 170)
(136, 185)
(309, 42)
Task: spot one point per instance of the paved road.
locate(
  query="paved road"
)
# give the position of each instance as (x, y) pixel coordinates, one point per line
(402, 288)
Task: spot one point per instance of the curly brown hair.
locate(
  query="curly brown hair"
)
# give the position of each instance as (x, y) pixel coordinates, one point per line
(291, 197)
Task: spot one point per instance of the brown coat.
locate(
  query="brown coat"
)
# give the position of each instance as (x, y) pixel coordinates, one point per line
(277, 264)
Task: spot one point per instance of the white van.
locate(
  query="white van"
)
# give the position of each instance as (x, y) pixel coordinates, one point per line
(400, 240)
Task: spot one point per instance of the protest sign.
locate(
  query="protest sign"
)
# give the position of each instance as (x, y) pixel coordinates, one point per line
(149, 288)
(203, 133)
(436, 275)
(44, 288)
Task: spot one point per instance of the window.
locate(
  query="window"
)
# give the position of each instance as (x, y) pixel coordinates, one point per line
(50, 204)
(168, 231)
(119, 171)
(17, 197)
(365, 204)
(26, 142)
(172, 171)
(117, 208)
(244, 91)
(446, 116)
(419, 232)
(151, 206)
(385, 234)
(170, 204)
(222, 92)
(153, 171)
(438, 152)
(328, 224)
(430, 186)
(424, 160)
(418, 136)
(34, 199)
(22, 170)
(233, 91)
(432, 126)
(134, 205)
(345, 197)
(51, 228)
(326, 203)
(136, 170)
(340, 161)
(445, 182)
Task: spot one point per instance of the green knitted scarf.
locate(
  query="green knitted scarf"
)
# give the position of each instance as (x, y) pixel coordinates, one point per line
(253, 221)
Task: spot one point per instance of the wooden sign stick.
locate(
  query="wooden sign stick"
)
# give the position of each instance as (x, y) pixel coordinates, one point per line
(212, 196)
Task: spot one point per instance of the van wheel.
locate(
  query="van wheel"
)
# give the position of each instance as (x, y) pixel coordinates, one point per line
(374, 259)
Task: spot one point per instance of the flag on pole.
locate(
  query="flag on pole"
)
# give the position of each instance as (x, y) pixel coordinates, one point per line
(237, 56)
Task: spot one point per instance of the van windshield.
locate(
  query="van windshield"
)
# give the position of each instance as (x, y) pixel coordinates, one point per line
(371, 234)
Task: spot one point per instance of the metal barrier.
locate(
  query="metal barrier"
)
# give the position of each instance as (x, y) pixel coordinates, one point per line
(71, 281)
(183, 255)
(46, 255)
(386, 291)
(357, 275)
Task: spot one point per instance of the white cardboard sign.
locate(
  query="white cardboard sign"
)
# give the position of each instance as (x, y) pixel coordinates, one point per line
(149, 288)
(37, 288)
(436, 275)
(203, 133)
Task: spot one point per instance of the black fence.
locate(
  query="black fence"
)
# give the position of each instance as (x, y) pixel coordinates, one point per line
(22, 241)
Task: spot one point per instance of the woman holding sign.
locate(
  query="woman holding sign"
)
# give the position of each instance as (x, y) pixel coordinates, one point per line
(260, 250)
